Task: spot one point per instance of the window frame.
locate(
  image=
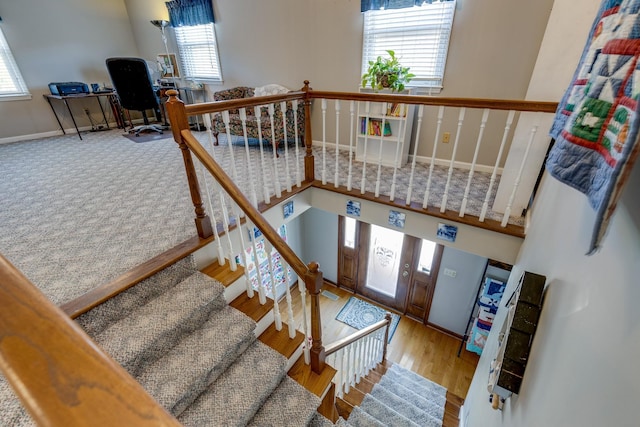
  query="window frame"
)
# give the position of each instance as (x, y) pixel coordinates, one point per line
(8, 64)
(375, 41)
(186, 50)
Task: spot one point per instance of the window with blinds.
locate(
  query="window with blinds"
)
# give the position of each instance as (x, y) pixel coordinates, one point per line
(418, 35)
(198, 52)
(12, 85)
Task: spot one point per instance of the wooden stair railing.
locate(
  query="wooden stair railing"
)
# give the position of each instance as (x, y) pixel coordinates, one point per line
(310, 274)
(59, 374)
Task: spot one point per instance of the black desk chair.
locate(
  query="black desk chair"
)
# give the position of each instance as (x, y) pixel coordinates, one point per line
(132, 82)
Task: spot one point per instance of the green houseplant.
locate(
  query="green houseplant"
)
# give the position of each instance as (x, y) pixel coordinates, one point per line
(387, 73)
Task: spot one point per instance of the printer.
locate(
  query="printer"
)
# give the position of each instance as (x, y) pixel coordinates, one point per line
(68, 88)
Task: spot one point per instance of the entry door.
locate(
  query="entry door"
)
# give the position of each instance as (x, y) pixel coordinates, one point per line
(348, 237)
(381, 273)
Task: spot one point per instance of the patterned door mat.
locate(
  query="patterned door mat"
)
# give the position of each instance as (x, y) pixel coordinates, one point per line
(359, 314)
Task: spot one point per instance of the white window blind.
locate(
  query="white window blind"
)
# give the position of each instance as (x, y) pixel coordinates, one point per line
(418, 35)
(11, 83)
(198, 52)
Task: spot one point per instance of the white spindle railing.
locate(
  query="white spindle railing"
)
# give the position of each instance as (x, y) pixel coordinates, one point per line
(252, 185)
(336, 178)
(225, 118)
(355, 360)
(324, 142)
(274, 144)
(382, 125)
(274, 291)
(436, 139)
(367, 110)
(305, 325)
(294, 104)
(283, 108)
(415, 155)
(245, 255)
(262, 293)
(290, 321)
(443, 204)
(465, 198)
(494, 173)
(216, 235)
(507, 211)
(352, 111)
(396, 158)
(265, 187)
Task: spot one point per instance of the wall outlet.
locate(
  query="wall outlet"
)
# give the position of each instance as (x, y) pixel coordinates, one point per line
(446, 137)
(449, 272)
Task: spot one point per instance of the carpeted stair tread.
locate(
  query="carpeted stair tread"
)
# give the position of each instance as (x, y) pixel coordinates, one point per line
(235, 397)
(359, 418)
(408, 394)
(426, 392)
(319, 420)
(177, 379)
(119, 306)
(290, 405)
(408, 408)
(385, 414)
(418, 379)
(154, 328)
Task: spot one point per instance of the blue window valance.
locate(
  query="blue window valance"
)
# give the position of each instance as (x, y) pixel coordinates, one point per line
(190, 12)
(391, 4)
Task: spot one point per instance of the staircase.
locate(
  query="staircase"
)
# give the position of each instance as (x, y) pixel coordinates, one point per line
(198, 356)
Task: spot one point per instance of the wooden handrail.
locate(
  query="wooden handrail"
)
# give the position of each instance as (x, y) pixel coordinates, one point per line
(59, 374)
(343, 342)
(494, 104)
(232, 104)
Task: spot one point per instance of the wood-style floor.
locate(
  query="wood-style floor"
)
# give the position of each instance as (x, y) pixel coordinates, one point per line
(414, 346)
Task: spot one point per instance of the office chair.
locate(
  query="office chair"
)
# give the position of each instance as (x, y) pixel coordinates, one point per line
(133, 84)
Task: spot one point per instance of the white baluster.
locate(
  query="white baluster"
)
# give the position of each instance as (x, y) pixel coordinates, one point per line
(265, 186)
(443, 205)
(252, 187)
(357, 361)
(291, 322)
(367, 107)
(516, 184)
(399, 149)
(352, 109)
(369, 352)
(221, 259)
(415, 155)
(382, 125)
(336, 178)
(234, 172)
(433, 157)
(324, 142)
(236, 211)
(305, 326)
(262, 294)
(276, 178)
(507, 127)
(225, 224)
(339, 374)
(483, 124)
(283, 108)
(347, 369)
(294, 105)
(274, 291)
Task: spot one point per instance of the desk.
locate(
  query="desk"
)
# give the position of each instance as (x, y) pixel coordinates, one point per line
(111, 96)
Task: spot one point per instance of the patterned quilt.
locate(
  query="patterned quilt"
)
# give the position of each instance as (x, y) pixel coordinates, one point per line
(597, 121)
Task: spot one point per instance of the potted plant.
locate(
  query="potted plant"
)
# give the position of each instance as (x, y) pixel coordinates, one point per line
(387, 73)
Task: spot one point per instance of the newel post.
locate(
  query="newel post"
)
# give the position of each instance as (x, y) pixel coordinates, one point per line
(313, 282)
(387, 317)
(179, 121)
(309, 174)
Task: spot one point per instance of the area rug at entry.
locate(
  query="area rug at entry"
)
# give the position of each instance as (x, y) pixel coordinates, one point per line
(359, 314)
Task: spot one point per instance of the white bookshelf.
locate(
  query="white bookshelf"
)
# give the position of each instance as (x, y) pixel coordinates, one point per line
(400, 123)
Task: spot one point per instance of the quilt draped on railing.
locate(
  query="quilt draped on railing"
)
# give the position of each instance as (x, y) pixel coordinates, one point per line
(597, 121)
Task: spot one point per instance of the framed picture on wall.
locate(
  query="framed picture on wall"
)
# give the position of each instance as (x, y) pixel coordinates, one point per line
(169, 65)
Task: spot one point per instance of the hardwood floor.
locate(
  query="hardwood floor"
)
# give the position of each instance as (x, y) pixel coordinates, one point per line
(414, 346)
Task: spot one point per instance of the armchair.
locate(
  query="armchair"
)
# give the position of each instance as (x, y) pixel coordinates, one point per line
(235, 124)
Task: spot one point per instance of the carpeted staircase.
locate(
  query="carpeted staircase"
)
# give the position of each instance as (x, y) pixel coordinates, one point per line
(401, 398)
(198, 357)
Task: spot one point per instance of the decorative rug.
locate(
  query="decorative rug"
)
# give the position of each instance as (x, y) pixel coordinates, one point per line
(359, 314)
(148, 137)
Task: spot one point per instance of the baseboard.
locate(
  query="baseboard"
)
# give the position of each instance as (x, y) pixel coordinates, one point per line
(58, 132)
(445, 331)
(419, 159)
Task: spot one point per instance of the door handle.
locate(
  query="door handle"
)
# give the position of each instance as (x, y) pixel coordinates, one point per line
(406, 266)
(405, 273)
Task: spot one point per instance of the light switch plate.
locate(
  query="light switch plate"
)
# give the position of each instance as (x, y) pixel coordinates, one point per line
(449, 272)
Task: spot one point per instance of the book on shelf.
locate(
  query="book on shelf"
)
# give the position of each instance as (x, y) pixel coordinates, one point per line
(396, 110)
(374, 127)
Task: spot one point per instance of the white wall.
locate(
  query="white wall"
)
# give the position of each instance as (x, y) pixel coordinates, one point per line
(454, 297)
(65, 40)
(321, 241)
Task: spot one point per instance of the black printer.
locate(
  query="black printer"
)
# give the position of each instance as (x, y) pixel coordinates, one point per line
(68, 88)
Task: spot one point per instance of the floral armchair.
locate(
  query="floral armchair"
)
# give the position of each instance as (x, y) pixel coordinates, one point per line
(235, 124)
